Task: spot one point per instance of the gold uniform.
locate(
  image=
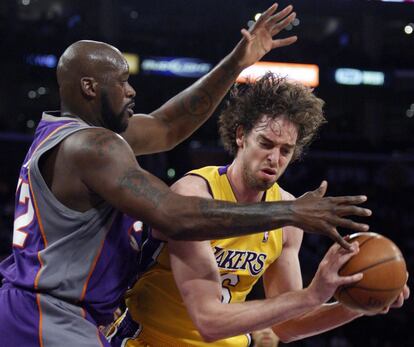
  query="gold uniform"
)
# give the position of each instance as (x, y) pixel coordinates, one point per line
(155, 302)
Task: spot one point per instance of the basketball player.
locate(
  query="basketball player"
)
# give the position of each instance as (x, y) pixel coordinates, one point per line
(266, 126)
(73, 255)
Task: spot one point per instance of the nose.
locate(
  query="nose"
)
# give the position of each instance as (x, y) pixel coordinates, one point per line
(273, 156)
(130, 92)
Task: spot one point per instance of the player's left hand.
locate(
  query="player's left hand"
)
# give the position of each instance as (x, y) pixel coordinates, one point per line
(404, 295)
(399, 302)
(258, 40)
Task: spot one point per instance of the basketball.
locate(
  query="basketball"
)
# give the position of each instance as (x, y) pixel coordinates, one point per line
(384, 269)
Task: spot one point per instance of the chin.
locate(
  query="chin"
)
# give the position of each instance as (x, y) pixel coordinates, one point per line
(263, 185)
(122, 125)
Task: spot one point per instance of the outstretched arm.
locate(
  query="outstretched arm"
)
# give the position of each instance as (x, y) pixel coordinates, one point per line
(182, 115)
(108, 168)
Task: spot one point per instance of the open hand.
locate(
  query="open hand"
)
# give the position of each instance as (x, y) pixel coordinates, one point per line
(322, 215)
(258, 40)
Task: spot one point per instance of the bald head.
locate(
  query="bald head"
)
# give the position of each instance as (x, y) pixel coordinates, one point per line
(93, 84)
(88, 58)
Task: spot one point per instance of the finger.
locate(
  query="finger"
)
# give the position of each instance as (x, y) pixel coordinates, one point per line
(334, 235)
(398, 302)
(246, 34)
(348, 224)
(283, 24)
(279, 16)
(350, 199)
(406, 292)
(345, 210)
(344, 257)
(284, 42)
(266, 14)
(344, 280)
(385, 310)
(321, 191)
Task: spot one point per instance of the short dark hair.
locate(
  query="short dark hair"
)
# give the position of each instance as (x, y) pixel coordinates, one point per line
(273, 96)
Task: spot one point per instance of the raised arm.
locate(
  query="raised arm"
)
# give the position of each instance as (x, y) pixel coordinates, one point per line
(182, 115)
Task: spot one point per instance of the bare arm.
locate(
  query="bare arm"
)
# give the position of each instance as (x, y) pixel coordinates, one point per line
(107, 167)
(200, 279)
(285, 275)
(182, 115)
(213, 319)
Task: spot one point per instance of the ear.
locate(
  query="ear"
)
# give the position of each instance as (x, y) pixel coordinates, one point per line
(240, 136)
(88, 86)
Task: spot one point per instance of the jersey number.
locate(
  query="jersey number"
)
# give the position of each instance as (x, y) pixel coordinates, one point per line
(227, 280)
(21, 222)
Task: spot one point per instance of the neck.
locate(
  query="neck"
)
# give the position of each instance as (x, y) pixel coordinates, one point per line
(85, 115)
(241, 189)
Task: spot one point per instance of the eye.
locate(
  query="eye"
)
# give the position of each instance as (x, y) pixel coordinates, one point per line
(285, 151)
(266, 145)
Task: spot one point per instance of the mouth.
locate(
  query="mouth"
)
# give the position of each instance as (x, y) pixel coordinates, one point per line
(130, 109)
(269, 171)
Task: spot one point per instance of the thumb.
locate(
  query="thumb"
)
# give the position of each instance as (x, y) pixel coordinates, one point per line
(322, 189)
(246, 34)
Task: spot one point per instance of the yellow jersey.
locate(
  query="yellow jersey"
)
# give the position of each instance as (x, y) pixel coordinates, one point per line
(155, 302)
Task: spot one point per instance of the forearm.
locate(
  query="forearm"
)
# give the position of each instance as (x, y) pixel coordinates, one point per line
(188, 110)
(319, 320)
(225, 320)
(202, 219)
(145, 197)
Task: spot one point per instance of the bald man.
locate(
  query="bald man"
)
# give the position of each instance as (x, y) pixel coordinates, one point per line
(74, 248)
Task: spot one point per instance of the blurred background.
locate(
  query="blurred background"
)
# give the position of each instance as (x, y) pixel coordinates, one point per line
(363, 52)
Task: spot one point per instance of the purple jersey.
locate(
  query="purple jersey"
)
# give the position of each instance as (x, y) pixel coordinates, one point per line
(79, 261)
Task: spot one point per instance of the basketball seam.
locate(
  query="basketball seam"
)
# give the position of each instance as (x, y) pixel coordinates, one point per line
(376, 264)
(356, 302)
(365, 241)
(377, 290)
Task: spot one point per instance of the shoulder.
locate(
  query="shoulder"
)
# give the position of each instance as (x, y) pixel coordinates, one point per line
(286, 195)
(92, 145)
(292, 236)
(192, 185)
(189, 185)
(94, 138)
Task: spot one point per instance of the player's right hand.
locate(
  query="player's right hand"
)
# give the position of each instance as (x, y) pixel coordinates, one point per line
(259, 39)
(315, 213)
(327, 280)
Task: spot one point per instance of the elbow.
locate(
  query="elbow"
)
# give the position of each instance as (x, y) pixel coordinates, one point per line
(209, 332)
(170, 144)
(286, 339)
(172, 138)
(210, 329)
(283, 335)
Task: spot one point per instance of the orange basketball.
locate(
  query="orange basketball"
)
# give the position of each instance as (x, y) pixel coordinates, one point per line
(384, 269)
